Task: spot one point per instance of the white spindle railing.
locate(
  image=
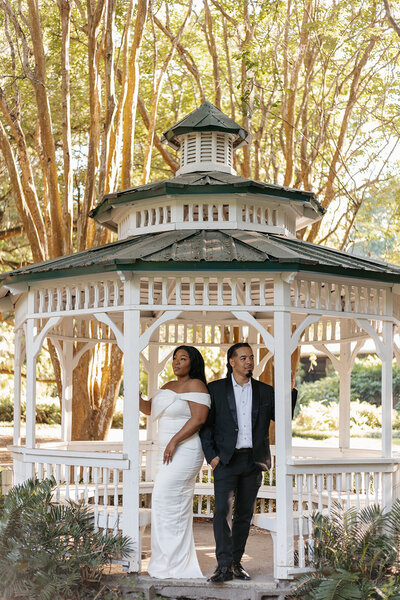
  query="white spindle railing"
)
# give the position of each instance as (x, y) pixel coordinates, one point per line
(319, 484)
(91, 472)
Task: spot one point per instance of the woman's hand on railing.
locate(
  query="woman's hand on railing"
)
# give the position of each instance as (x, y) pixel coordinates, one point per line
(144, 405)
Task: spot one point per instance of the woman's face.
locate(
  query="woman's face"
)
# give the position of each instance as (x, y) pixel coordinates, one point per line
(181, 363)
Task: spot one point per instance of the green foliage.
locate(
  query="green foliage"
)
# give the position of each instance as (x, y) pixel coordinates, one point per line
(49, 414)
(365, 385)
(7, 410)
(324, 390)
(47, 550)
(319, 420)
(355, 555)
(117, 420)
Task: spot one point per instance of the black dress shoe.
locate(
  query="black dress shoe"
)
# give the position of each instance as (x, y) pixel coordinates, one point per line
(239, 572)
(221, 574)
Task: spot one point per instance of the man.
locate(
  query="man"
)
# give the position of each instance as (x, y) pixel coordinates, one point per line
(235, 440)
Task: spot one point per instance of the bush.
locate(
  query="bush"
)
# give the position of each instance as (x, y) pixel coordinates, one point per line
(49, 414)
(50, 551)
(7, 410)
(355, 556)
(117, 420)
(365, 385)
(319, 420)
(324, 390)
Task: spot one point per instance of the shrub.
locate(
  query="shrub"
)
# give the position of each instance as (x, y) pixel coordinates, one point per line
(355, 556)
(365, 385)
(48, 413)
(47, 550)
(318, 420)
(324, 390)
(7, 410)
(117, 420)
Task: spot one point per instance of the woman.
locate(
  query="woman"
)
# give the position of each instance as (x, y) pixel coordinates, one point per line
(181, 407)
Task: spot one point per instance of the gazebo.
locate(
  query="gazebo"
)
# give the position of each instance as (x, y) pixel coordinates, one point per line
(207, 258)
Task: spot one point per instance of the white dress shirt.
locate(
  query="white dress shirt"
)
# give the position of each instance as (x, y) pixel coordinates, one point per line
(244, 400)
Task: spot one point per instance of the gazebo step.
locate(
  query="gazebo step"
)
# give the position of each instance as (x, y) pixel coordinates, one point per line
(265, 589)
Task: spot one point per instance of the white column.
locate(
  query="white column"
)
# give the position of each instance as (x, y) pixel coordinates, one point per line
(18, 359)
(387, 397)
(30, 376)
(344, 371)
(30, 335)
(67, 384)
(283, 431)
(131, 479)
(152, 386)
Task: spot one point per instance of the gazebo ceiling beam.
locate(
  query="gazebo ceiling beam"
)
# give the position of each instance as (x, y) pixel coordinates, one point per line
(296, 335)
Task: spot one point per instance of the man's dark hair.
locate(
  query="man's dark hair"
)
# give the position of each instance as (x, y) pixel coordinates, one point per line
(232, 351)
(196, 362)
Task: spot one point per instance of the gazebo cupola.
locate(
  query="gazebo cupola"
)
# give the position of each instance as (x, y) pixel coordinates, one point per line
(206, 138)
(206, 193)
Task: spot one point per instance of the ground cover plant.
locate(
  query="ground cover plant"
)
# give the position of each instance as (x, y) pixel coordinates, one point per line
(50, 551)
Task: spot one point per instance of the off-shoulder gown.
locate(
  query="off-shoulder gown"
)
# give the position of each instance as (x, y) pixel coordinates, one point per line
(173, 553)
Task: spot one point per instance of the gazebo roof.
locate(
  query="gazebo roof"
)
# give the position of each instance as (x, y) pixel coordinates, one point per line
(205, 250)
(206, 118)
(214, 182)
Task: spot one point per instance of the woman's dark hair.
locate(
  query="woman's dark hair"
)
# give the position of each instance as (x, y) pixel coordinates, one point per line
(232, 351)
(196, 362)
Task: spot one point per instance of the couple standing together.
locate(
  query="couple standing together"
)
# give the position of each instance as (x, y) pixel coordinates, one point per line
(228, 421)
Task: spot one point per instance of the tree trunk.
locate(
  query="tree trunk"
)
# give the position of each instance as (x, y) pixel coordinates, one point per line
(156, 97)
(46, 128)
(214, 53)
(94, 15)
(19, 198)
(129, 111)
(65, 15)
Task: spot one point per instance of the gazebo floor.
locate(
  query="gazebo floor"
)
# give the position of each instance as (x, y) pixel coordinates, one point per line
(257, 560)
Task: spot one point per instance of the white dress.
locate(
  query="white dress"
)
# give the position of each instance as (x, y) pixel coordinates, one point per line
(173, 552)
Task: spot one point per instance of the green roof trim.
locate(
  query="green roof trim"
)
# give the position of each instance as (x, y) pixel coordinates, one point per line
(206, 118)
(190, 267)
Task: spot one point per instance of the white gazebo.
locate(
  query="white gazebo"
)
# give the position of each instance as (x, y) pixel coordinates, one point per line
(207, 258)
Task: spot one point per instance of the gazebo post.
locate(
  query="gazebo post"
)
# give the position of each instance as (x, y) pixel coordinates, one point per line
(18, 359)
(131, 476)
(344, 368)
(67, 384)
(387, 379)
(283, 430)
(30, 376)
(152, 385)
(387, 400)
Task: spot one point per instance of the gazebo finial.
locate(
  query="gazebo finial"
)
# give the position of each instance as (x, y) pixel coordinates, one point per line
(206, 138)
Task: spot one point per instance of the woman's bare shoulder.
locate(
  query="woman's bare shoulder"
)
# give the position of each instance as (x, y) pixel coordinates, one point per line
(196, 385)
(170, 385)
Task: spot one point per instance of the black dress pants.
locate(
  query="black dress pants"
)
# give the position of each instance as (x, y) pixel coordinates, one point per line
(235, 487)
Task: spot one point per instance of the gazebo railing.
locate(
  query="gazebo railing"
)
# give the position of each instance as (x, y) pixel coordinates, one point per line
(96, 479)
(320, 484)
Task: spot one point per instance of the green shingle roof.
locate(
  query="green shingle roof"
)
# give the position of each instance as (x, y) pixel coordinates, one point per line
(209, 250)
(206, 118)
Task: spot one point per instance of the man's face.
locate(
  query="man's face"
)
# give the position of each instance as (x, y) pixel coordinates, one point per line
(242, 362)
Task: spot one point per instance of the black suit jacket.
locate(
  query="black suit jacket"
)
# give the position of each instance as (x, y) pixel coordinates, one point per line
(219, 433)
